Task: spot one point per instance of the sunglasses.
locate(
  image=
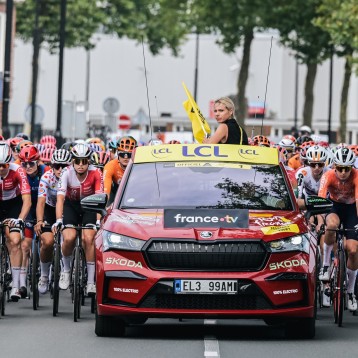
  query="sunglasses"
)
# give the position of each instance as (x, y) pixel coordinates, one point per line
(125, 155)
(316, 165)
(4, 166)
(343, 168)
(29, 164)
(83, 161)
(59, 166)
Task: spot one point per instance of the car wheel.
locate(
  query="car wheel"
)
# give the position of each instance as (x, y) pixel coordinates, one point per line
(304, 328)
(109, 326)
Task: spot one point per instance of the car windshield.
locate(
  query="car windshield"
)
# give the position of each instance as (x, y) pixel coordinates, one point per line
(206, 185)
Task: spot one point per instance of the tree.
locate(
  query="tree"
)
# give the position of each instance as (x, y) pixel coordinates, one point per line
(310, 43)
(340, 19)
(234, 22)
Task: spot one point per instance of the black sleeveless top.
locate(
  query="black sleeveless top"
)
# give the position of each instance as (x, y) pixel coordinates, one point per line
(236, 134)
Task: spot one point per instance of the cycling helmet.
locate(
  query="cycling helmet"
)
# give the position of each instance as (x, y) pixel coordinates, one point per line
(94, 147)
(303, 139)
(23, 136)
(316, 154)
(126, 144)
(22, 144)
(290, 137)
(48, 139)
(155, 142)
(354, 148)
(323, 143)
(80, 141)
(112, 144)
(95, 140)
(307, 144)
(282, 153)
(303, 154)
(99, 159)
(305, 129)
(13, 142)
(2, 138)
(61, 156)
(330, 157)
(173, 141)
(49, 145)
(68, 145)
(261, 140)
(81, 150)
(5, 153)
(46, 155)
(344, 156)
(29, 154)
(289, 144)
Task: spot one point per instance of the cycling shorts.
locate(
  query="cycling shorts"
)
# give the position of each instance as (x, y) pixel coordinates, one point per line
(49, 217)
(74, 215)
(11, 209)
(29, 226)
(347, 214)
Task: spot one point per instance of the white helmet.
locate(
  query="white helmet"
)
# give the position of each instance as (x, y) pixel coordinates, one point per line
(287, 143)
(316, 154)
(5, 153)
(81, 150)
(344, 156)
(155, 142)
(61, 156)
(305, 129)
(330, 158)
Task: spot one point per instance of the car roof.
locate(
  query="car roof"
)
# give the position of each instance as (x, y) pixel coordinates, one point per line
(206, 153)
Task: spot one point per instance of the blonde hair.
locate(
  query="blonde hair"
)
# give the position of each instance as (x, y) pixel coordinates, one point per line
(227, 102)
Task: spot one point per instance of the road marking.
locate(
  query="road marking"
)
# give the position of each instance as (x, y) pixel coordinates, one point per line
(211, 344)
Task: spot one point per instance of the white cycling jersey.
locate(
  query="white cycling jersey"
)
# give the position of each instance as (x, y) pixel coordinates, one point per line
(48, 188)
(306, 184)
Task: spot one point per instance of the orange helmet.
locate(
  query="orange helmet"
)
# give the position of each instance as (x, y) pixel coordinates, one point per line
(126, 144)
(261, 140)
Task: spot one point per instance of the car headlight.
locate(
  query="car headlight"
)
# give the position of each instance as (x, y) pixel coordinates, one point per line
(293, 243)
(112, 240)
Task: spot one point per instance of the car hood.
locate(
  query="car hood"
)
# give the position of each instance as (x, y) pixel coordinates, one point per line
(149, 223)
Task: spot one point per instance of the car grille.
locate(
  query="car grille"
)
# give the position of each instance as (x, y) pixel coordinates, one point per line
(208, 256)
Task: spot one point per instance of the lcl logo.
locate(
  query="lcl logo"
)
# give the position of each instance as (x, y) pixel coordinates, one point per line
(161, 152)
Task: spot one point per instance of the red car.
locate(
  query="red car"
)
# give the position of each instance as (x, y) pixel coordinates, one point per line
(205, 231)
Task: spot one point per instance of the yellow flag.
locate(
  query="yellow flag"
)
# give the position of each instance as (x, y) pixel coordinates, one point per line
(201, 128)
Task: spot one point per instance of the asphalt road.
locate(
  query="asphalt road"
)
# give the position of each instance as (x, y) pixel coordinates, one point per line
(28, 333)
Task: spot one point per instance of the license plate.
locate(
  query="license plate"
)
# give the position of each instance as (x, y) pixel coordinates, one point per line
(206, 286)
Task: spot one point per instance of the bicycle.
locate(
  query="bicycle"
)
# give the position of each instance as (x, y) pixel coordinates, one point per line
(55, 273)
(339, 276)
(78, 273)
(5, 269)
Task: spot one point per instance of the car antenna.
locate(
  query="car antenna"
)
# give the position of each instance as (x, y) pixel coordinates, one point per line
(253, 126)
(146, 85)
(268, 73)
(156, 104)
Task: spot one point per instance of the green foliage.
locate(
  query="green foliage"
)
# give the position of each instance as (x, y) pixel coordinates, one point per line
(159, 23)
(83, 19)
(294, 20)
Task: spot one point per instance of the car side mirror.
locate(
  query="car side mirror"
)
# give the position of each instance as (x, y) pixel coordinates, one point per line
(317, 205)
(95, 203)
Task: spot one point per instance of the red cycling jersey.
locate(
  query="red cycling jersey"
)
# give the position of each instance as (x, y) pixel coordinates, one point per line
(340, 191)
(75, 190)
(15, 183)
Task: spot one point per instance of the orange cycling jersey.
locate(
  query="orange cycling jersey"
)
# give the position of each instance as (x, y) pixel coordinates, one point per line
(112, 172)
(340, 191)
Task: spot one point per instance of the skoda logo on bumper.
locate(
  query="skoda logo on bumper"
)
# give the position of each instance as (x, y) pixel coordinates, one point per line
(206, 234)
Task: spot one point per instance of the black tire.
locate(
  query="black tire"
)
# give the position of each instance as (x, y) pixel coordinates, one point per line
(304, 328)
(109, 327)
(56, 278)
(76, 285)
(341, 285)
(35, 276)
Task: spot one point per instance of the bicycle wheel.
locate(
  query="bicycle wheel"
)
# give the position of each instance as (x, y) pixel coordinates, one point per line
(2, 280)
(56, 278)
(341, 290)
(335, 289)
(35, 276)
(76, 285)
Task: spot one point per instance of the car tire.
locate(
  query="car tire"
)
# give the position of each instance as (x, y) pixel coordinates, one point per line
(305, 328)
(109, 326)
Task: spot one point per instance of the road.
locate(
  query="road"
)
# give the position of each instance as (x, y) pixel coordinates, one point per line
(24, 332)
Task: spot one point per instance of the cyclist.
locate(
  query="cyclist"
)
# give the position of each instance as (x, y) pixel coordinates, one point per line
(112, 148)
(99, 159)
(114, 170)
(342, 185)
(46, 212)
(13, 142)
(77, 181)
(15, 202)
(29, 158)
